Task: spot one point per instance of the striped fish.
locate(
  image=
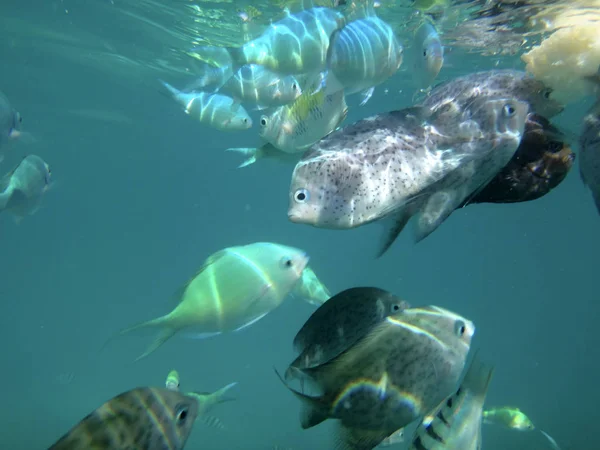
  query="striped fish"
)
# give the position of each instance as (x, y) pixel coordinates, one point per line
(142, 418)
(457, 424)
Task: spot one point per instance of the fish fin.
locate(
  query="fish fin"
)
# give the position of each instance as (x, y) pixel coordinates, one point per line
(217, 56)
(393, 226)
(346, 438)
(313, 411)
(252, 153)
(212, 422)
(172, 90)
(194, 335)
(551, 440)
(178, 294)
(367, 94)
(478, 377)
(437, 209)
(326, 74)
(4, 199)
(221, 394)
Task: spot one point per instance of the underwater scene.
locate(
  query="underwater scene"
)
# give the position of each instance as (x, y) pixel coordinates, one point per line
(299, 224)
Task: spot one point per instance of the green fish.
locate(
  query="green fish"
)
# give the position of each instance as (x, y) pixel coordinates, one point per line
(235, 288)
(172, 382)
(508, 417)
(142, 418)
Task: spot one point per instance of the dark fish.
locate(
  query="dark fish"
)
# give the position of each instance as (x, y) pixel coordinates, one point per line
(589, 142)
(541, 163)
(403, 369)
(340, 322)
(142, 418)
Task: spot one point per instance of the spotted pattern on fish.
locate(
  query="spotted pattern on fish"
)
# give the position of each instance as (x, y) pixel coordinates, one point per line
(148, 418)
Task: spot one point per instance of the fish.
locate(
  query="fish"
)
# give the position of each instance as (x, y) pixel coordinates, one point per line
(396, 165)
(234, 288)
(457, 424)
(402, 369)
(172, 381)
(541, 162)
(506, 83)
(427, 54)
(311, 289)
(293, 128)
(10, 123)
(396, 437)
(589, 144)
(255, 85)
(341, 322)
(148, 418)
(22, 189)
(216, 110)
(362, 55)
(294, 45)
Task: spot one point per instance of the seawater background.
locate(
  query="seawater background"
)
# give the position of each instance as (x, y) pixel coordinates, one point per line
(144, 195)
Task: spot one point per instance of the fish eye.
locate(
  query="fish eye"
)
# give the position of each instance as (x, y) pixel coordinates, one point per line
(395, 307)
(547, 93)
(301, 196)
(181, 415)
(245, 120)
(460, 328)
(295, 87)
(425, 53)
(286, 262)
(263, 121)
(509, 110)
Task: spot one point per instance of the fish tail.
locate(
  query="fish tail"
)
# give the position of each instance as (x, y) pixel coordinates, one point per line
(478, 377)
(221, 396)
(172, 90)
(253, 154)
(167, 331)
(551, 440)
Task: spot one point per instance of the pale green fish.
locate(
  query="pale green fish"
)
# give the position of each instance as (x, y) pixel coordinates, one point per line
(363, 54)
(22, 190)
(311, 289)
(255, 85)
(457, 424)
(427, 55)
(216, 110)
(206, 400)
(403, 368)
(234, 288)
(148, 418)
(295, 44)
(10, 123)
(514, 419)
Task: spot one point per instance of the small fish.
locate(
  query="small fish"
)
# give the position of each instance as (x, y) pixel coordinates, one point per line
(363, 54)
(589, 143)
(403, 368)
(22, 190)
(235, 288)
(148, 418)
(457, 425)
(172, 381)
(396, 437)
(10, 123)
(311, 289)
(296, 44)
(216, 110)
(427, 54)
(340, 322)
(505, 83)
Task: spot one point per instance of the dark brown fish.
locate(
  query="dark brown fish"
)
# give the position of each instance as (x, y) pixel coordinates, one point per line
(339, 323)
(143, 418)
(541, 163)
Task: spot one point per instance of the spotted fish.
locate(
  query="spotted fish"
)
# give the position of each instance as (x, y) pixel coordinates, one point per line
(143, 418)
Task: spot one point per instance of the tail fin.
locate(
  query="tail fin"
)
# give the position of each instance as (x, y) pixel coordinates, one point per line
(164, 335)
(220, 396)
(219, 56)
(478, 377)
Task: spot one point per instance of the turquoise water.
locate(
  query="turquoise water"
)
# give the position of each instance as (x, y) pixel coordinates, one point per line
(143, 194)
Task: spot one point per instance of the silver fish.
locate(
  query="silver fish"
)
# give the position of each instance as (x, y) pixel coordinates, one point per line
(363, 54)
(399, 164)
(427, 55)
(505, 83)
(405, 367)
(148, 418)
(589, 143)
(10, 123)
(216, 110)
(457, 424)
(22, 190)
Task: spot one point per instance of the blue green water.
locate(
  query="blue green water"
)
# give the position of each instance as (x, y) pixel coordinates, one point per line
(143, 195)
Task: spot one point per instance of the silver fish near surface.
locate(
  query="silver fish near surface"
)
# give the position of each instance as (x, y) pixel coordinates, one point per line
(589, 143)
(148, 418)
(457, 424)
(427, 54)
(22, 190)
(404, 163)
(398, 372)
(507, 83)
(293, 45)
(363, 54)
(216, 110)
